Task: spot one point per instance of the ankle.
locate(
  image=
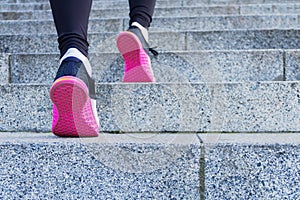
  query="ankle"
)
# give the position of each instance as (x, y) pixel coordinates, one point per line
(143, 30)
(73, 52)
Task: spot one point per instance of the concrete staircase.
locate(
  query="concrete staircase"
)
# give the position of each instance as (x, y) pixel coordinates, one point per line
(220, 123)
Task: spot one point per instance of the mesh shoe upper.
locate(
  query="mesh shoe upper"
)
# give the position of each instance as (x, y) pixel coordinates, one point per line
(72, 66)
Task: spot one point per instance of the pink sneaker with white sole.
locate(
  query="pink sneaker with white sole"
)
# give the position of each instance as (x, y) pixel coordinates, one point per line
(135, 51)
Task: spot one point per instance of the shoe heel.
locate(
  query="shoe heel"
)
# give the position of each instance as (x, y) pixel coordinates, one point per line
(137, 61)
(72, 110)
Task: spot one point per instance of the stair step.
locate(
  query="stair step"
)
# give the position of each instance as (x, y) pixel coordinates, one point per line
(263, 9)
(262, 166)
(271, 6)
(24, 7)
(154, 166)
(203, 66)
(167, 41)
(123, 13)
(42, 166)
(209, 23)
(167, 2)
(224, 66)
(220, 2)
(166, 107)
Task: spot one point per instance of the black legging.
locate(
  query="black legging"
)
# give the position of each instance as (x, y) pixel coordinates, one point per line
(71, 20)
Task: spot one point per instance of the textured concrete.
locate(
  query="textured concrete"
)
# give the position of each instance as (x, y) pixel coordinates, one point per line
(100, 42)
(24, 7)
(255, 107)
(28, 43)
(215, 23)
(176, 2)
(263, 166)
(25, 15)
(204, 23)
(124, 4)
(281, 8)
(107, 4)
(292, 138)
(4, 68)
(244, 39)
(44, 5)
(155, 165)
(25, 107)
(150, 166)
(36, 11)
(183, 107)
(292, 68)
(47, 26)
(203, 2)
(44, 66)
(42, 166)
(205, 66)
(123, 12)
(166, 41)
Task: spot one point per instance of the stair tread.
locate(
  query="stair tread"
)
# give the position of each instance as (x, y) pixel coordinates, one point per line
(204, 23)
(268, 139)
(108, 167)
(167, 41)
(207, 66)
(179, 107)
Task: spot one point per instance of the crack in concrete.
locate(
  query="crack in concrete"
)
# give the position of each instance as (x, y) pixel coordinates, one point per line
(284, 65)
(202, 169)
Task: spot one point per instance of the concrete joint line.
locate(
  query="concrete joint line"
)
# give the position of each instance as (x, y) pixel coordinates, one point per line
(284, 65)
(202, 169)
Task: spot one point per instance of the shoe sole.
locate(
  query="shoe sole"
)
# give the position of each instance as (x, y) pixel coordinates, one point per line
(137, 61)
(72, 110)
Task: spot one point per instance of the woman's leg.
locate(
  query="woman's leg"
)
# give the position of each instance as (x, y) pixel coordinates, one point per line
(73, 90)
(141, 11)
(71, 21)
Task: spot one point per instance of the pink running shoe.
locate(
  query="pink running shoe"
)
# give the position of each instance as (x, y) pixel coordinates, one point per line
(135, 51)
(74, 104)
